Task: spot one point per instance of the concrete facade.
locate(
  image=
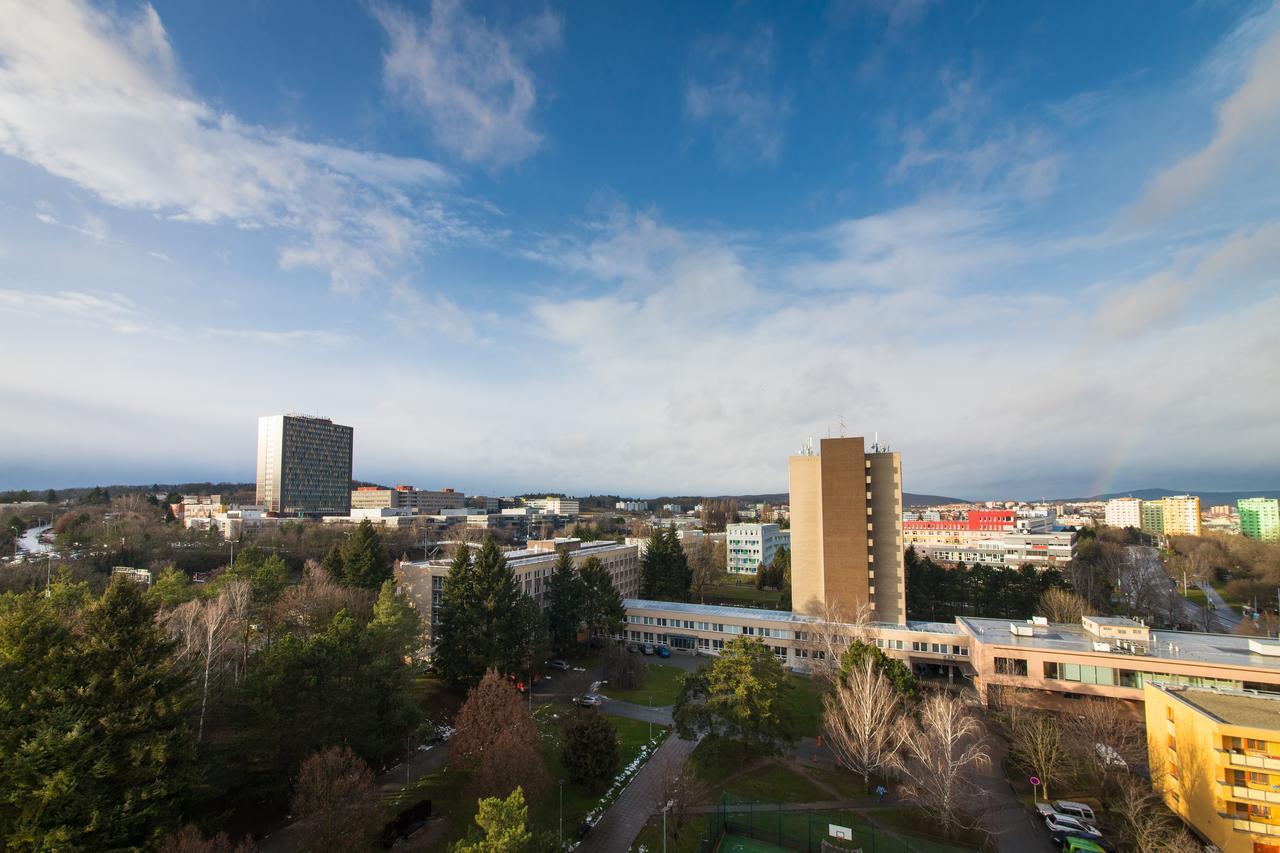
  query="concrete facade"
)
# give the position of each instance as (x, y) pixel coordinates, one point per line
(1215, 758)
(1260, 518)
(304, 466)
(749, 545)
(846, 531)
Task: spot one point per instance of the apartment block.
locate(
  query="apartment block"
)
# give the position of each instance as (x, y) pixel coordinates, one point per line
(1124, 512)
(304, 466)
(1215, 758)
(846, 530)
(1043, 550)
(1260, 518)
(1180, 515)
(749, 545)
(553, 505)
(1153, 517)
(417, 501)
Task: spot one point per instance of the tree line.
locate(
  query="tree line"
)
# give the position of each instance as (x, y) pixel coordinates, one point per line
(938, 593)
(128, 714)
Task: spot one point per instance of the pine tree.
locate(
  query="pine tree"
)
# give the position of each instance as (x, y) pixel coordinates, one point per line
(678, 574)
(653, 566)
(480, 622)
(567, 595)
(364, 560)
(603, 610)
(590, 752)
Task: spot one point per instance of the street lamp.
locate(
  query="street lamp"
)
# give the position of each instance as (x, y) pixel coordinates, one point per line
(650, 717)
(664, 824)
(562, 813)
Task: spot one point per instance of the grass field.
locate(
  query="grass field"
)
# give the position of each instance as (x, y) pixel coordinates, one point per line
(775, 783)
(733, 591)
(1196, 596)
(661, 683)
(805, 701)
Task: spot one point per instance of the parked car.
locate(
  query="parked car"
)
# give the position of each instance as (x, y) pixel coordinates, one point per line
(559, 663)
(589, 700)
(633, 647)
(1066, 823)
(1060, 839)
(647, 648)
(664, 652)
(1076, 810)
(1075, 844)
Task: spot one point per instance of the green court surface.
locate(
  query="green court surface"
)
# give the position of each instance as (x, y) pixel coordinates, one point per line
(739, 844)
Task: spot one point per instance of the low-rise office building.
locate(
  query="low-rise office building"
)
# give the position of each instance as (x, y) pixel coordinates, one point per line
(423, 580)
(418, 501)
(1215, 758)
(1042, 550)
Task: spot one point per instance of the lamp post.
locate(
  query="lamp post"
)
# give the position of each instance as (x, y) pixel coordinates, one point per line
(562, 813)
(666, 806)
(651, 718)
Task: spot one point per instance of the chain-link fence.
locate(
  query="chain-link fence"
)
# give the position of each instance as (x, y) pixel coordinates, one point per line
(814, 830)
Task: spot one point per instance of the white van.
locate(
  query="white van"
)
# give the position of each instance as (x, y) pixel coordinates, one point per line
(1076, 810)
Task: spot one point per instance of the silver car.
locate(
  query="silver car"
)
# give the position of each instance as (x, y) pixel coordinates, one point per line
(589, 700)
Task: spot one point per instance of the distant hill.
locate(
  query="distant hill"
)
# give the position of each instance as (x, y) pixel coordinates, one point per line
(908, 499)
(1207, 499)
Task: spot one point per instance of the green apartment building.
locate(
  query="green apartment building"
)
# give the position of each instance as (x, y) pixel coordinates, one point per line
(1153, 517)
(1260, 518)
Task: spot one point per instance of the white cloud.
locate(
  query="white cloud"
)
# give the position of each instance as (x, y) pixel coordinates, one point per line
(470, 82)
(109, 310)
(414, 312)
(322, 338)
(732, 91)
(1245, 137)
(97, 98)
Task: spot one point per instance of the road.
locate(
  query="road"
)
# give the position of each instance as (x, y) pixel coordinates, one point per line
(1144, 580)
(1223, 612)
(640, 801)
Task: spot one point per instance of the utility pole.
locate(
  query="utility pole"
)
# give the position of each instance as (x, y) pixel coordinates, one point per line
(561, 814)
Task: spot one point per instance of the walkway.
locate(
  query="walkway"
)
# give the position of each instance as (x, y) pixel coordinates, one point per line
(1011, 824)
(1226, 614)
(660, 716)
(624, 820)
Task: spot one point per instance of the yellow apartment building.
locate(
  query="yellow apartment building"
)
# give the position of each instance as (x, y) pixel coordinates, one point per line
(1215, 756)
(1180, 515)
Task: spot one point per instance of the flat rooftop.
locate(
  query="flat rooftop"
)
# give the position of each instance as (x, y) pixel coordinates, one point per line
(1234, 708)
(1119, 621)
(713, 611)
(1222, 649)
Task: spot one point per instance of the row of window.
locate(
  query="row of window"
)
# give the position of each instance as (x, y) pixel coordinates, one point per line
(1109, 676)
(716, 627)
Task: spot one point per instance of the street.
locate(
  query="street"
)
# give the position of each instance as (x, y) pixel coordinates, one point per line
(1148, 587)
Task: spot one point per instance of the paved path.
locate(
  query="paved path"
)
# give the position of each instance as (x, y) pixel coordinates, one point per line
(1223, 612)
(660, 716)
(624, 820)
(1012, 825)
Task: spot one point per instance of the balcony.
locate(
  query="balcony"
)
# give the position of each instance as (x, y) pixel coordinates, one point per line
(1256, 795)
(1254, 826)
(1257, 761)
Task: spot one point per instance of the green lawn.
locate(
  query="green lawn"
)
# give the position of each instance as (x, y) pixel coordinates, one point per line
(1221, 588)
(805, 701)
(578, 801)
(661, 684)
(1196, 596)
(731, 593)
(774, 783)
(848, 785)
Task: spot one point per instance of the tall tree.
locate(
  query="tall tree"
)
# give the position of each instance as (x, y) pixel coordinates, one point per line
(364, 562)
(862, 719)
(741, 695)
(603, 610)
(565, 589)
(678, 576)
(1037, 745)
(703, 568)
(495, 739)
(942, 746)
(480, 617)
(335, 794)
(653, 565)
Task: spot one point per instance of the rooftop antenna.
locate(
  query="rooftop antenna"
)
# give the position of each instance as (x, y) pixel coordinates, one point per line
(806, 449)
(842, 426)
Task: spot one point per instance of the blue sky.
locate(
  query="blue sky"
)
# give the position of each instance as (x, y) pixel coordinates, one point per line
(643, 248)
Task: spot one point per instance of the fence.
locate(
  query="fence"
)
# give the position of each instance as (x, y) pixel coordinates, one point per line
(813, 830)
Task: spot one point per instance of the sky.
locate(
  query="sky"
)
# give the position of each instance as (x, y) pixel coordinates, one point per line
(643, 249)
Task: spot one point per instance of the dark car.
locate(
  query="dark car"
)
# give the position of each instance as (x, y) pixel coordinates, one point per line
(558, 663)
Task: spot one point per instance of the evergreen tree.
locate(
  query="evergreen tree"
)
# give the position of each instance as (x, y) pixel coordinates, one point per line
(567, 596)
(50, 497)
(364, 560)
(590, 752)
(898, 673)
(678, 574)
(653, 566)
(114, 762)
(741, 695)
(480, 619)
(603, 610)
(502, 824)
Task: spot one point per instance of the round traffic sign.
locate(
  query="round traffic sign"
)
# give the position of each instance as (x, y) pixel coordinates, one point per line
(1035, 780)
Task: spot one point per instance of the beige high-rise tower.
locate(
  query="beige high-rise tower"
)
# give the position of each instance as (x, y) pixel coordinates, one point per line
(846, 532)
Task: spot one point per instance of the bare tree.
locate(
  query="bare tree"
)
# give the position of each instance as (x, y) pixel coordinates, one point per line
(861, 719)
(826, 637)
(335, 791)
(189, 839)
(941, 749)
(203, 629)
(1146, 822)
(1063, 606)
(675, 796)
(705, 570)
(1037, 744)
(1105, 739)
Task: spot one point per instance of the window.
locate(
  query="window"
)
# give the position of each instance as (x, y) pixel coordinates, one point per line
(1256, 778)
(1172, 743)
(1011, 666)
(1257, 745)
(921, 647)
